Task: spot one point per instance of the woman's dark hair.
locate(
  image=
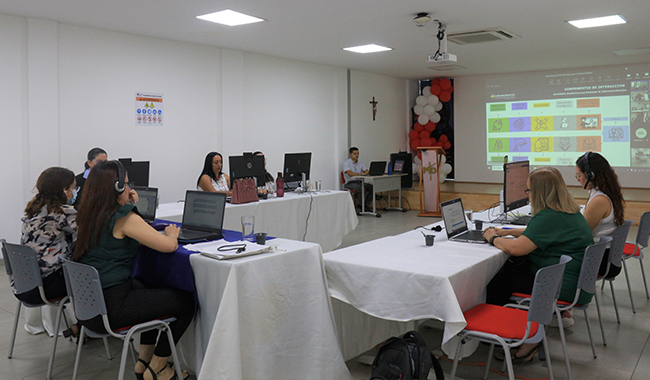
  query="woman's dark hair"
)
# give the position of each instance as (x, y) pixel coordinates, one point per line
(207, 167)
(267, 176)
(98, 204)
(51, 185)
(605, 180)
(92, 154)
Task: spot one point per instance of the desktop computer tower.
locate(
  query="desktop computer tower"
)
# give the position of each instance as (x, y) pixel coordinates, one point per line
(407, 167)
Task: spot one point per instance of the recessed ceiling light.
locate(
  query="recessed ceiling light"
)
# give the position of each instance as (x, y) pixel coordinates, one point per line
(632, 51)
(230, 18)
(372, 48)
(598, 21)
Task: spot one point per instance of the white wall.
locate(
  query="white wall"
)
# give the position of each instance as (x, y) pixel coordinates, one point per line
(73, 88)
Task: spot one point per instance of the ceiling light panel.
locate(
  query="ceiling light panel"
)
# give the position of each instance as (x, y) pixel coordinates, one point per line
(363, 49)
(230, 18)
(598, 21)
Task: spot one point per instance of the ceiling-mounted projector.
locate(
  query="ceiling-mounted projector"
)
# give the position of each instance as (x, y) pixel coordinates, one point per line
(441, 56)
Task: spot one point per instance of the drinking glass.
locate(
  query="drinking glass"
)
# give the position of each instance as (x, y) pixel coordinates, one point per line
(248, 228)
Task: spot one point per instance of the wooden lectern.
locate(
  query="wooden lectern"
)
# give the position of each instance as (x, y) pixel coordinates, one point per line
(430, 181)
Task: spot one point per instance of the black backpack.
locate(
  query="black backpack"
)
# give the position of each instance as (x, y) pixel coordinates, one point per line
(406, 358)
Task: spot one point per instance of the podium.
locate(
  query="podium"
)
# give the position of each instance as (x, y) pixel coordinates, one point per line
(430, 181)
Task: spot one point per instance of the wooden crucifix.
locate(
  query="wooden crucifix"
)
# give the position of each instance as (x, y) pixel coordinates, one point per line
(374, 107)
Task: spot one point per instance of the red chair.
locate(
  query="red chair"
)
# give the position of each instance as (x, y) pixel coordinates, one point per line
(353, 193)
(635, 250)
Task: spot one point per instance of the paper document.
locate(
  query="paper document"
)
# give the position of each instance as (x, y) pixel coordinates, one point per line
(229, 249)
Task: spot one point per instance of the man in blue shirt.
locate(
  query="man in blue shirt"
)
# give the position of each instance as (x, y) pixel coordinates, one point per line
(353, 167)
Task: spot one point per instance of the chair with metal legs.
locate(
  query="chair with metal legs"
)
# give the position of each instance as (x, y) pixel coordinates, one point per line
(21, 264)
(515, 325)
(617, 245)
(635, 250)
(87, 295)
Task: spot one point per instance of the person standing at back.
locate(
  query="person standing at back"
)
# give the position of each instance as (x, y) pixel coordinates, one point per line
(95, 156)
(353, 167)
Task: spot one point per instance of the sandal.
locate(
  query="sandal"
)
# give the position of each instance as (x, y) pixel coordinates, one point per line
(69, 333)
(500, 356)
(140, 376)
(154, 375)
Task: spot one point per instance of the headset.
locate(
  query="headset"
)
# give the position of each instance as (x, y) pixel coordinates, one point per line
(120, 182)
(589, 174)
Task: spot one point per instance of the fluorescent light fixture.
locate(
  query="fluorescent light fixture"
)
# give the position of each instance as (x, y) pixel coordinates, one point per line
(229, 17)
(598, 21)
(363, 49)
(632, 51)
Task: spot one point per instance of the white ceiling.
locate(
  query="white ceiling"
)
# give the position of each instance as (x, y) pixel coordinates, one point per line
(316, 31)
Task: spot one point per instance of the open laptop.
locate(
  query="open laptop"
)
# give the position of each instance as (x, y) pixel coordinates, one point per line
(377, 168)
(455, 224)
(147, 202)
(202, 216)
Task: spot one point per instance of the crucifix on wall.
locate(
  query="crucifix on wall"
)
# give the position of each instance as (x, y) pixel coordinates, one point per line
(374, 107)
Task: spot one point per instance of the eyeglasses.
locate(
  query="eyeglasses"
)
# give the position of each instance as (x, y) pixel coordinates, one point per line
(527, 191)
(131, 185)
(578, 175)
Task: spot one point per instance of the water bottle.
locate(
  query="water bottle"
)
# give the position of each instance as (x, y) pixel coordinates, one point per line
(279, 184)
(390, 168)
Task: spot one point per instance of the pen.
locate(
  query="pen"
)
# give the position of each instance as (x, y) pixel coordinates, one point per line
(506, 228)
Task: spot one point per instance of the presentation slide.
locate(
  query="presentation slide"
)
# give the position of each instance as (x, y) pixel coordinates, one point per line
(553, 118)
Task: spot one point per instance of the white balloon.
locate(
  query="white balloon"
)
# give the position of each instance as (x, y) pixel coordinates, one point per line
(433, 100)
(445, 169)
(426, 91)
(435, 117)
(442, 178)
(419, 110)
(429, 110)
(421, 101)
(417, 161)
(438, 106)
(442, 158)
(423, 119)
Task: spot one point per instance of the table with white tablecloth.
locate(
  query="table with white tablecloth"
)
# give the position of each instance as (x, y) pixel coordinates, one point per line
(266, 316)
(399, 278)
(322, 217)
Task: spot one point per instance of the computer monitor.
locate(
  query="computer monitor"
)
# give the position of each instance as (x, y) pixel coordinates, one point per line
(402, 162)
(515, 179)
(138, 171)
(247, 166)
(295, 164)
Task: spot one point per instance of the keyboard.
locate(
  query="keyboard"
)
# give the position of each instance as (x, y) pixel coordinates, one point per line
(521, 220)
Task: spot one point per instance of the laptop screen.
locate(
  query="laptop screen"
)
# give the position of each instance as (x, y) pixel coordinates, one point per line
(147, 202)
(454, 217)
(204, 210)
(377, 167)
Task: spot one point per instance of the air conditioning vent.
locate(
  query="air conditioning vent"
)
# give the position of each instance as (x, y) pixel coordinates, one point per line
(483, 35)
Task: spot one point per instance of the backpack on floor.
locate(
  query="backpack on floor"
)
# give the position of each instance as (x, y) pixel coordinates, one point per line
(405, 358)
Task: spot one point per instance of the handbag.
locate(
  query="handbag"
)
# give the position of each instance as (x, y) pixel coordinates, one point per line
(244, 191)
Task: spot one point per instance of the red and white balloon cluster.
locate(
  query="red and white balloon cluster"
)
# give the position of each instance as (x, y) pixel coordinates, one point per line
(427, 107)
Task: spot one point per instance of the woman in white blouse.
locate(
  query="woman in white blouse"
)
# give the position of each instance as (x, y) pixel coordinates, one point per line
(212, 178)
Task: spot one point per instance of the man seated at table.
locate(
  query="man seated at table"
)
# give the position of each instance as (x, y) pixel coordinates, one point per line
(353, 167)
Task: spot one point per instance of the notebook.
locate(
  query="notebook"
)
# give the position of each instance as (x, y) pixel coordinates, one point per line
(147, 202)
(202, 216)
(455, 224)
(377, 168)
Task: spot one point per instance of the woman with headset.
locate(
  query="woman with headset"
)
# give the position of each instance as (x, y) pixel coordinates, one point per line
(605, 206)
(110, 233)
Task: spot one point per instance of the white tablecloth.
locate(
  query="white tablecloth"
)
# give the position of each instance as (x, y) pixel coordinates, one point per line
(399, 278)
(266, 317)
(332, 216)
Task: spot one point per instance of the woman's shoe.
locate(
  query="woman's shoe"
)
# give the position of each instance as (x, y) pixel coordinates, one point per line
(521, 359)
(140, 376)
(154, 375)
(70, 332)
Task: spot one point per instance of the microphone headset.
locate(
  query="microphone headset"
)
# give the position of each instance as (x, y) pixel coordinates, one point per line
(120, 182)
(589, 174)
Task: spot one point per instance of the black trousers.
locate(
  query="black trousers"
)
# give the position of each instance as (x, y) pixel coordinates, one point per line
(53, 285)
(132, 302)
(356, 186)
(513, 277)
(613, 271)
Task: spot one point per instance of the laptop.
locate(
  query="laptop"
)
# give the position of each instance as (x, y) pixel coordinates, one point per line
(455, 224)
(377, 168)
(202, 216)
(147, 202)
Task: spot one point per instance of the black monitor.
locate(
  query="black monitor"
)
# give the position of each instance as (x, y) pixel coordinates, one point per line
(295, 164)
(515, 179)
(402, 162)
(138, 171)
(247, 166)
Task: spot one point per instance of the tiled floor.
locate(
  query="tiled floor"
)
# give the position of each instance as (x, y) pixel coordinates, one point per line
(624, 357)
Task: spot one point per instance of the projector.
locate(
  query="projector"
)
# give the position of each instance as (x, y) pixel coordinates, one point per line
(441, 58)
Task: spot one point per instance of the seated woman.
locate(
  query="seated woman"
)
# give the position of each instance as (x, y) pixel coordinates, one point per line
(50, 228)
(95, 155)
(557, 228)
(110, 233)
(212, 178)
(268, 178)
(605, 207)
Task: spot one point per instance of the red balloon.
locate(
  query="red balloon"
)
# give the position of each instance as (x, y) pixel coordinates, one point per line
(450, 89)
(424, 134)
(446, 145)
(418, 127)
(425, 142)
(415, 144)
(443, 138)
(420, 154)
(445, 83)
(444, 96)
(414, 135)
(435, 89)
(433, 141)
(435, 81)
(430, 126)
